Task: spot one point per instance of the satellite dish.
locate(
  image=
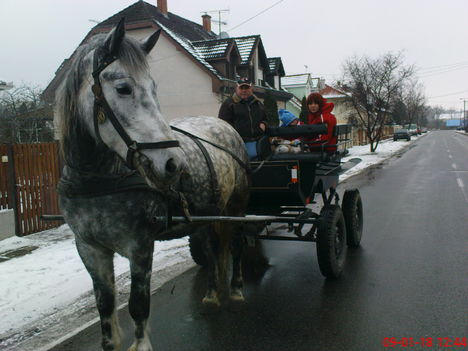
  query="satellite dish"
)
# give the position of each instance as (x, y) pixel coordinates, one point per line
(223, 35)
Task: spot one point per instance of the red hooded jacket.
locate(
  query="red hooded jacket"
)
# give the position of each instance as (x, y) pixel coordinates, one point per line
(325, 116)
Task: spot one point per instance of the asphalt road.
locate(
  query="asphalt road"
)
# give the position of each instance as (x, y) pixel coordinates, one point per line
(409, 279)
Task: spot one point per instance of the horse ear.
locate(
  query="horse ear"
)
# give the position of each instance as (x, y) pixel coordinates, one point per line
(150, 42)
(114, 38)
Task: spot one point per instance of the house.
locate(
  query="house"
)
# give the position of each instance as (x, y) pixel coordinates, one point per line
(195, 69)
(300, 85)
(344, 110)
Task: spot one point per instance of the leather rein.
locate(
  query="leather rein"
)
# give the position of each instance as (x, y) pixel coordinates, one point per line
(103, 111)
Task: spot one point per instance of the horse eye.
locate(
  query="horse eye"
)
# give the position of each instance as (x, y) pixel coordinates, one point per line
(124, 89)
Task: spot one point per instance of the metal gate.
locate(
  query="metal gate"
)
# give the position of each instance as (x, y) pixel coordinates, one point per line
(29, 174)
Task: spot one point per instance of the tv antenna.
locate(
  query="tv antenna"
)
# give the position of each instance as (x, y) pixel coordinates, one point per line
(219, 12)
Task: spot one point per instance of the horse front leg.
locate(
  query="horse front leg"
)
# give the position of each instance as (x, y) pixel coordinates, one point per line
(140, 296)
(99, 263)
(237, 246)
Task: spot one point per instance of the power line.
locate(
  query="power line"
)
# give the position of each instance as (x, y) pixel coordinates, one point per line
(444, 66)
(258, 14)
(458, 92)
(442, 71)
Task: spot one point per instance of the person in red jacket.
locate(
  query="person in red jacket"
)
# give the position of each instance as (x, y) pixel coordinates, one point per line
(320, 112)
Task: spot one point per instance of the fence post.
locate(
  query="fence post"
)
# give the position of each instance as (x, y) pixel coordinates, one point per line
(12, 186)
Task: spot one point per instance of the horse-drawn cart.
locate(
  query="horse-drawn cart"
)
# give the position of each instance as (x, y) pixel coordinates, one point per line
(285, 186)
(127, 173)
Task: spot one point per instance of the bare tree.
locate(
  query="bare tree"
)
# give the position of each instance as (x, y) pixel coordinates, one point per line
(24, 118)
(374, 85)
(414, 100)
(433, 114)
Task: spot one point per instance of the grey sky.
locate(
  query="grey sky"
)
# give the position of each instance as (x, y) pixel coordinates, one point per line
(37, 35)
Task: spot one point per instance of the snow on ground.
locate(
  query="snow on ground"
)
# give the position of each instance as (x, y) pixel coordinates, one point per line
(49, 283)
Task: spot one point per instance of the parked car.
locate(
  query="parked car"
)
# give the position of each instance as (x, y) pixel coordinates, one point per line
(412, 128)
(401, 134)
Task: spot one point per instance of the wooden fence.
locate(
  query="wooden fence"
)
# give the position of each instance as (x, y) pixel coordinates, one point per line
(29, 176)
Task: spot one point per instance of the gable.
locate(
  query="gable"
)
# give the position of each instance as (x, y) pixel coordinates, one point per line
(142, 13)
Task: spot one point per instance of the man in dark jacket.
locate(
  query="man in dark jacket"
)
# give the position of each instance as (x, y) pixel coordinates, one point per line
(246, 113)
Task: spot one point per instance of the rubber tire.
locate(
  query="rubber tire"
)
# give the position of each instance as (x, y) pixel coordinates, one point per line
(196, 248)
(352, 212)
(332, 224)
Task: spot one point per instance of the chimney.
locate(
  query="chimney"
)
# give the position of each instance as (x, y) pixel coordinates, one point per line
(162, 6)
(206, 22)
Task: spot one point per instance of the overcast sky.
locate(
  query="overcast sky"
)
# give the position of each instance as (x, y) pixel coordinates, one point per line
(309, 35)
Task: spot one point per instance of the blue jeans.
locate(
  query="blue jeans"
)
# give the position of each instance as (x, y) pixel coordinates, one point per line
(251, 147)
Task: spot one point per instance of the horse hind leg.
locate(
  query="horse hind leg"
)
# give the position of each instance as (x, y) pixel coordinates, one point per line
(99, 262)
(237, 245)
(140, 296)
(213, 247)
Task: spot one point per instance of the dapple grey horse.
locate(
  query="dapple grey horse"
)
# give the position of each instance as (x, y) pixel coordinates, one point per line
(125, 166)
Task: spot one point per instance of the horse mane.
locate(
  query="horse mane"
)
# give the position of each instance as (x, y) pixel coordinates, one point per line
(70, 121)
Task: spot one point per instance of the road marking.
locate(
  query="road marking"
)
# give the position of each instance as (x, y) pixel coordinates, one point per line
(462, 188)
(454, 166)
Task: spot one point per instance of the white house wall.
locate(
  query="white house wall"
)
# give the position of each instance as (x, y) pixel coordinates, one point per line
(184, 88)
(277, 82)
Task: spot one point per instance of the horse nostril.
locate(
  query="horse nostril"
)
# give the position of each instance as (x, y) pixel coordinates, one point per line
(171, 166)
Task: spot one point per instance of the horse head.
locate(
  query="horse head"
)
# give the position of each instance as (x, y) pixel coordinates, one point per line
(118, 104)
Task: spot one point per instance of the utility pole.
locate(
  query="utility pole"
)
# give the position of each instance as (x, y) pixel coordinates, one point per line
(465, 127)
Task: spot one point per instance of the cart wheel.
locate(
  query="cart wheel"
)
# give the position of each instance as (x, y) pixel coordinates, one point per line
(331, 241)
(196, 248)
(352, 212)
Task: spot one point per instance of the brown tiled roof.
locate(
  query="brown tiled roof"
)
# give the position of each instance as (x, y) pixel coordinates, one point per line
(142, 11)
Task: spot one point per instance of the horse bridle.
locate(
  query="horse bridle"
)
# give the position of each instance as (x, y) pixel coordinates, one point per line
(102, 111)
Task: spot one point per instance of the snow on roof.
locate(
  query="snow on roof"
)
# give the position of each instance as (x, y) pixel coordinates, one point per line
(274, 63)
(192, 50)
(330, 92)
(211, 49)
(245, 46)
(296, 79)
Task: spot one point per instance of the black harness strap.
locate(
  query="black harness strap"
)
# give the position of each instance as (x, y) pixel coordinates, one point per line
(214, 179)
(244, 165)
(102, 110)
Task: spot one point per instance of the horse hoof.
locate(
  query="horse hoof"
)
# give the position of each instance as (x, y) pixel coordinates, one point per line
(211, 301)
(140, 347)
(236, 295)
(236, 300)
